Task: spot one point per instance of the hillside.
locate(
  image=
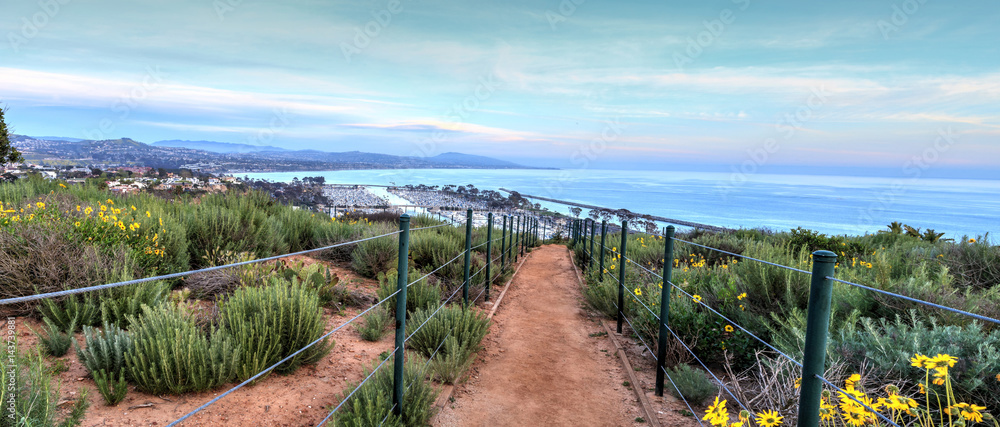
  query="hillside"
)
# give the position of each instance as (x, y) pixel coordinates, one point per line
(212, 156)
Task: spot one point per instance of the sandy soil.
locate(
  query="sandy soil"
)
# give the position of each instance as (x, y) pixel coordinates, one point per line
(547, 361)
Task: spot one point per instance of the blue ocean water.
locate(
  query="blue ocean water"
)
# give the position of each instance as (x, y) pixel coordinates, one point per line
(829, 204)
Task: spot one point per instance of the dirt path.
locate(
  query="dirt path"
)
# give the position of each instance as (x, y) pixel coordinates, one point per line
(545, 361)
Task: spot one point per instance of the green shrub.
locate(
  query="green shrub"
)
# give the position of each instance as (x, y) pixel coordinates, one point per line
(112, 386)
(434, 248)
(695, 386)
(108, 306)
(33, 395)
(270, 323)
(419, 295)
(72, 311)
(171, 354)
(372, 403)
(56, 342)
(117, 304)
(452, 360)
(468, 326)
(372, 257)
(104, 350)
(373, 325)
(887, 346)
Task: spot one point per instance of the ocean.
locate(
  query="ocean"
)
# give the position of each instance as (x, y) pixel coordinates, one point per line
(829, 204)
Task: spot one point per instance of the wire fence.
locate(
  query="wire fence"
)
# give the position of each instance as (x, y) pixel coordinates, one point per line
(584, 235)
(515, 239)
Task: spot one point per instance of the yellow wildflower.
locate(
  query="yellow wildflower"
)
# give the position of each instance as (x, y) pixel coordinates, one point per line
(728, 328)
(696, 298)
(769, 418)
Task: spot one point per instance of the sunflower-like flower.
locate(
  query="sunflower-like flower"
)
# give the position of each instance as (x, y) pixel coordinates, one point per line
(769, 418)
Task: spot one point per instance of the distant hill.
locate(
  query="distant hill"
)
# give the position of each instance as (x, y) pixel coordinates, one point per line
(216, 147)
(58, 138)
(470, 160)
(215, 156)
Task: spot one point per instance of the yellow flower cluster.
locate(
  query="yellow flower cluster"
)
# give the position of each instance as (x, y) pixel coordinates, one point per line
(854, 407)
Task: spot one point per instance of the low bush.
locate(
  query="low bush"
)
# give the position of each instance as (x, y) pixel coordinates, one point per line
(112, 386)
(56, 342)
(466, 325)
(171, 354)
(371, 404)
(419, 295)
(374, 256)
(888, 345)
(117, 304)
(374, 325)
(694, 385)
(105, 349)
(33, 397)
(452, 360)
(72, 312)
(270, 323)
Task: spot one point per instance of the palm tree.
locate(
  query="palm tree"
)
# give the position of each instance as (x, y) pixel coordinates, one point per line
(895, 228)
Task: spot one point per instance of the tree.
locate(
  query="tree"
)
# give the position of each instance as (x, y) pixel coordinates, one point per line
(575, 211)
(8, 154)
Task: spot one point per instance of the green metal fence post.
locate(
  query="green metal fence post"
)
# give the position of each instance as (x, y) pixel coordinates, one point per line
(817, 329)
(503, 244)
(402, 268)
(489, 252)
(573, 232)
(468, 255)
(593, 230)
(665, 292)
(524, 235)
(600, 265)
(621, 276)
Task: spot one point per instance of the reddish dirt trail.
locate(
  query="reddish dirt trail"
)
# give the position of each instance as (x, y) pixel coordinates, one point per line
(544, 361)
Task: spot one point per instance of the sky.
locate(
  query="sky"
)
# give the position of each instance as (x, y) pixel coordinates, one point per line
(875, 85)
